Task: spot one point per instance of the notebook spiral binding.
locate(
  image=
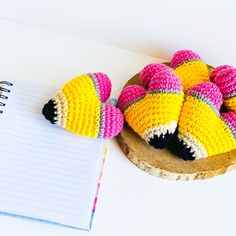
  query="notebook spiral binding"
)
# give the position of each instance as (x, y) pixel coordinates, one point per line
(4, 90)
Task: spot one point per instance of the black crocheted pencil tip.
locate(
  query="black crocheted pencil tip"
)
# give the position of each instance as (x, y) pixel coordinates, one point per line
(185, 152)
(49, 111)
(161, 141)
(223, 109)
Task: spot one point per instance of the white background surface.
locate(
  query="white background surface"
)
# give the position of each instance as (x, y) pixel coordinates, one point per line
(154, 27)
(131, 202)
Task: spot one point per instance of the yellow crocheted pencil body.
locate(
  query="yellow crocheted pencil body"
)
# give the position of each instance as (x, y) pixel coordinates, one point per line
(192, 73)
(79, 107)
(153, 113)
(202, 130)
(149, 113)
(190, 68)
(230, 103)
(83, 115)
(204, 126)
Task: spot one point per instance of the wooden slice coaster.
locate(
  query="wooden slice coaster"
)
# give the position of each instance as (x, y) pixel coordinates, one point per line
(163, 163)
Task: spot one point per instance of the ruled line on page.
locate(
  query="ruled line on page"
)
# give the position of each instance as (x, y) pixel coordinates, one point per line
(79, 158)
(45, 183)
(44, 189)
(42, 157)
(40, 146)
(50, 161)
(41, 208)
(33, 163)
(37, 197)
(38, 143)
(54, 141)
(56, 130)
(45, 171)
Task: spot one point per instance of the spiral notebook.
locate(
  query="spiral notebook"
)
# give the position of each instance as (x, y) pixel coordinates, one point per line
(46, 173)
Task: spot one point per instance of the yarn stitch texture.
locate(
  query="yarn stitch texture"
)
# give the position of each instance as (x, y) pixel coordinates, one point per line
(202, 130)
(153, 113)
(79, 107)
(190, 68)
(225, 78)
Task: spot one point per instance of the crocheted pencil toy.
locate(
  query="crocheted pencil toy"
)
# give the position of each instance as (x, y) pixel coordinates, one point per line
(190, 68)
(79, 107)
(202, 131)
(225, 77)
(149, 71)
(153, 114)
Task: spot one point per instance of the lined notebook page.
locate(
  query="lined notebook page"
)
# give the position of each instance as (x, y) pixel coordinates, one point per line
(46, 172)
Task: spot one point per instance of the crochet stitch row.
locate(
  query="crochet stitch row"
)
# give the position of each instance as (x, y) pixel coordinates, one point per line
(190, 68)
(79, 108)
(153, 111)
(225, 78)
(201, 129)
(153, 114)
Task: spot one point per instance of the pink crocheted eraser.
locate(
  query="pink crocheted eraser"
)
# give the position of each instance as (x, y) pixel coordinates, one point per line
(226, 81)
(103, 85)
(230, 118)
(208, 92)
(183, 56)
(113, 121)
(129, 95)
(149, 71)
(219, 69)
(165, 80)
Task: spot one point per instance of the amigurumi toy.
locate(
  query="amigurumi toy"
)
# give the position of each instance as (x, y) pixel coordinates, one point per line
(149, 71)
(153, 113)
(225, 78)
(202, 130)
(190, 68)
(79, 107)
